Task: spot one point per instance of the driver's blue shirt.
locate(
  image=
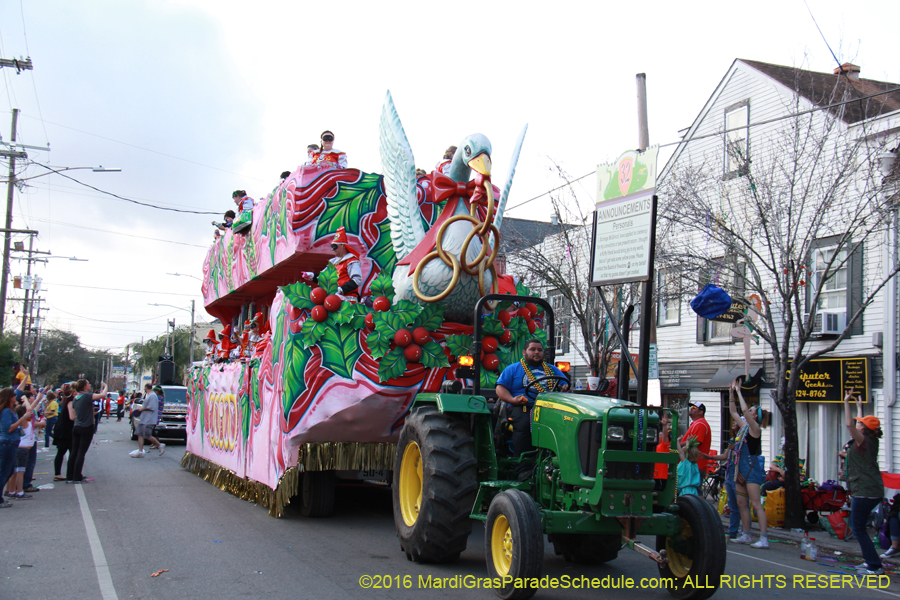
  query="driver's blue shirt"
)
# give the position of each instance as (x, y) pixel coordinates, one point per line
(515, 380)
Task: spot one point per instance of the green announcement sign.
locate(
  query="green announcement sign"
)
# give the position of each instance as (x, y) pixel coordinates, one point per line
(829, 379)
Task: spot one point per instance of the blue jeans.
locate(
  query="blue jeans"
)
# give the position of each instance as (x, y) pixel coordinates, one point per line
(7, 462)
(859, 515)
(48, 431)
(734, 523)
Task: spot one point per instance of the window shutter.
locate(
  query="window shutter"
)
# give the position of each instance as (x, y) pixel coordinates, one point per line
(855, 282)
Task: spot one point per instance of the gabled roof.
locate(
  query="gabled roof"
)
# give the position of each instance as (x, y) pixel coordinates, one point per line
(518, 234)
(827, 88)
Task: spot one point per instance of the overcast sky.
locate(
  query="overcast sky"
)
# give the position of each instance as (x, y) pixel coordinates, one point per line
(194, 99)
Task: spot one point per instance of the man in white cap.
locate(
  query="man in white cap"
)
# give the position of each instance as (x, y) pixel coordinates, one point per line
(700, 429)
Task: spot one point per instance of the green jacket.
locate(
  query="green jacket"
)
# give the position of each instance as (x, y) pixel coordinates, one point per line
(863, 474)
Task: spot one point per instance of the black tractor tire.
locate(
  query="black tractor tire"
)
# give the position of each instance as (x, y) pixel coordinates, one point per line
(697, 552)
(317, 494)
(434, 494)
(590, 549)
(514, 543)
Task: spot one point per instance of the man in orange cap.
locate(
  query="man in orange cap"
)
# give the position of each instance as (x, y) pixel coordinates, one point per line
(346, 261)
(225, 345)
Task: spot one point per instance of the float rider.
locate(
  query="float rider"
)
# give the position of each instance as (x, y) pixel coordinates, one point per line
(511, 387)
(346, 261)
(328, 156)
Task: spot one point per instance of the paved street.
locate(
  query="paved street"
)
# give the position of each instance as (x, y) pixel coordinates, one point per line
(105, 539)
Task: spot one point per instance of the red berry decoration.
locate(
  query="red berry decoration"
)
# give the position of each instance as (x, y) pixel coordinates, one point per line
(413, 353)
(490, 362)
(333, 303)
(403, 338)
(382, 304)
(506, 337)
(524, 313)
(319, 314)
(489, 344)
(370, 321)
(531, 326)
(504, 317)
(532, 308)
(421, 336)
(318, 295)
(293, 313)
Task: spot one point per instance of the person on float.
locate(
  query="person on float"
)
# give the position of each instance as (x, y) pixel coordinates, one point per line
(699, 429)
(210, 341)
(245, 211)
(346, 261)
(329, 156)
(511, 387)
(253, 336)
(311, 152)
(224, 347)
(864, 480)
(443, 165)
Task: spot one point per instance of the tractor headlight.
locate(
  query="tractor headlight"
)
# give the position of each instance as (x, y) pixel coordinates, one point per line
(615, 434)
(652, 436)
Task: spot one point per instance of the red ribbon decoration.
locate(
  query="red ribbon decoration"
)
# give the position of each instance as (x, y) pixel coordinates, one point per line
(446, 188)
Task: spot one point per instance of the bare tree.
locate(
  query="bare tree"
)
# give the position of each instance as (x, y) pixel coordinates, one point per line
(805, 217)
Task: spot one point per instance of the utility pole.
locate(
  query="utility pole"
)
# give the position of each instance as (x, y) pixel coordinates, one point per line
(192, 337)
(646, 321)
(36, 348)
(12, 154)
(26, 307)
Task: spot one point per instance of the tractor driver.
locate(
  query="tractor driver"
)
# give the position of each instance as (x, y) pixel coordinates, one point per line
(511, 389)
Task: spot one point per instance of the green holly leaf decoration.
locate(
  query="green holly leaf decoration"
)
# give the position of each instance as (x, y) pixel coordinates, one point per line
(340, 350)
(503, 305)
(392, 365)
(328, 279)
(383, 286)
(379, 343)
(388, 322)
(311, 332)
(459, 344)
(433, 355)
(295, 359)
(350, 203)
(345, 314)
(522, 289)
(492, 326)
(518, 328)
(504, 356)
(431, 317)
(488, 379)
(541, 335)
(382, 252)
(358, 318)
(407, 311)
(298, 295)
(278, 337)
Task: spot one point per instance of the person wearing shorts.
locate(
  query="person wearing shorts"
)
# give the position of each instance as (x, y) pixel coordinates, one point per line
(750, 473)
(146, 423)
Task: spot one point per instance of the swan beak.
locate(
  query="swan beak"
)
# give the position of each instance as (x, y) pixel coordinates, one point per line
(481, 164)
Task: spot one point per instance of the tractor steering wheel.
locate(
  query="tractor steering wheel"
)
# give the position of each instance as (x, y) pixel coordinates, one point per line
(529, 389)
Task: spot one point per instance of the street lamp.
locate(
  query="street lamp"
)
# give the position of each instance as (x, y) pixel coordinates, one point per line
(191, 343)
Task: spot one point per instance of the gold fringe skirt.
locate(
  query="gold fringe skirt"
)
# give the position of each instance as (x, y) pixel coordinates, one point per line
(313, 456)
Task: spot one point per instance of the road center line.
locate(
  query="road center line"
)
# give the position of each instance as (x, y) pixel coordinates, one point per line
(103, 576)
(803, 570)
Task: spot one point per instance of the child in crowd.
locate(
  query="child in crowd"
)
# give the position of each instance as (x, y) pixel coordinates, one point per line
(14, 487)
(688, 471)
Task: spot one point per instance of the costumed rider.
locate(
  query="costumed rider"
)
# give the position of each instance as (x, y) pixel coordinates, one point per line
(511, 389)
(245, 208)
(346, 261)
(211, 347)
(328, 156)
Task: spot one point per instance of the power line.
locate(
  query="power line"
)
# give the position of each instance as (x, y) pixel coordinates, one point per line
(106, 321)
(179, 210)
(91, 287)
(130, 235)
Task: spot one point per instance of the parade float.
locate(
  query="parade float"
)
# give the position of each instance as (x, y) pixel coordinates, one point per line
(325, 390)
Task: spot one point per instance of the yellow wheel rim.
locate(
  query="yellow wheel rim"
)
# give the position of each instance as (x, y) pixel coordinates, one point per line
(411, 483)
(501, 546)
(680, 564)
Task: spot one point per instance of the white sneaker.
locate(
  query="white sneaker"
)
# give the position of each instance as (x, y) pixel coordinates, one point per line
(761, 543)
(890, 553)
(743, 539)
(162, 449)
(137, 454)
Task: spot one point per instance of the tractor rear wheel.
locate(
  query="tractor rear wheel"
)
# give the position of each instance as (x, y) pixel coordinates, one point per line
(434, 485)
(586, 549)
(514, 543)
(317, 493)
(696, 553)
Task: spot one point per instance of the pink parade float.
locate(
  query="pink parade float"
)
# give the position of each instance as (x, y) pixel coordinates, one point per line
(324, 391)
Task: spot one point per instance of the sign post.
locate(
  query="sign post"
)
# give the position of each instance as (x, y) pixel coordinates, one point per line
(624, 242)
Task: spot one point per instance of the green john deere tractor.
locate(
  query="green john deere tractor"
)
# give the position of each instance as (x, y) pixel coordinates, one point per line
(591, 491)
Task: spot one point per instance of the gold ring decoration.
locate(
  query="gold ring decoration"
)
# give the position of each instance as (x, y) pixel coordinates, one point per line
(483, 230)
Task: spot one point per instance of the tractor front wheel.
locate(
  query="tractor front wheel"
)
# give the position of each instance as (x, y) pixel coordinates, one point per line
(434, 485)
(696, 553)
(514, 543)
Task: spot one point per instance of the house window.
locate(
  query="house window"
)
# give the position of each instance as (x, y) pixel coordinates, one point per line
(831, 264)
(726, 278)
(668, 309)
(561, 312)
(737, 136)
